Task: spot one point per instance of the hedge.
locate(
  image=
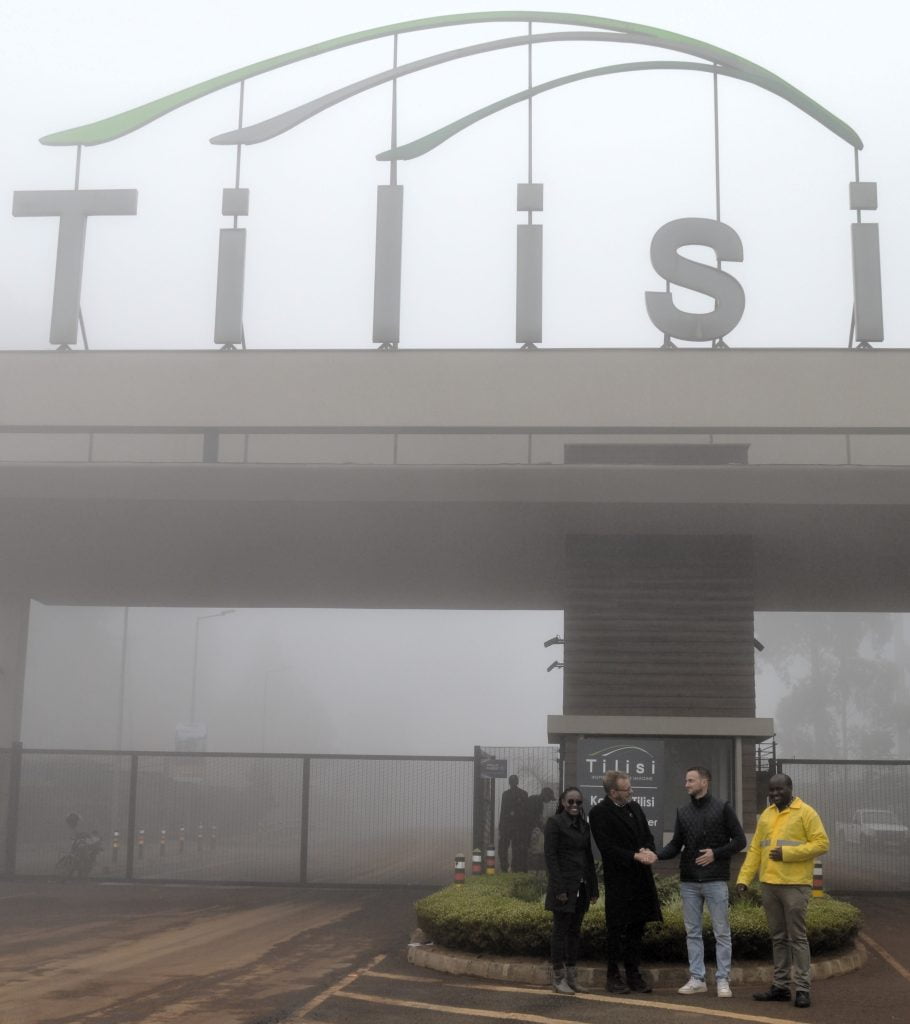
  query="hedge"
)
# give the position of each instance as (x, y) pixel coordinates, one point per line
(505, 914)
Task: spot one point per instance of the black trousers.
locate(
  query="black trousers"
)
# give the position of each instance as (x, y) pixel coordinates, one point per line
(566, 934)
(624, 941)
(519, 839)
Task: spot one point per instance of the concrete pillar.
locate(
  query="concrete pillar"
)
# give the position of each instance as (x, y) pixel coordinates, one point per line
(659, 626)
(13, 640)
(663, 626)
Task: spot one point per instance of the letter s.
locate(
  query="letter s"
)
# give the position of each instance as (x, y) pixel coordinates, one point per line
(728, 295)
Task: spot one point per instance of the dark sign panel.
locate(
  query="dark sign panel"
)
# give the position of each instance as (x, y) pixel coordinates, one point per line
(640, 757)
(493, 767)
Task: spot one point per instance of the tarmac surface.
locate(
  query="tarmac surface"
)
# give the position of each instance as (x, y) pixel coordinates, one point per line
(97, 953)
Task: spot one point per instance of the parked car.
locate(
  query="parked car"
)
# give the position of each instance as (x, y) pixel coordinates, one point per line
(871, 825)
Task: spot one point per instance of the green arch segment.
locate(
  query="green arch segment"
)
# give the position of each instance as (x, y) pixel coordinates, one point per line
(429, 142)
(110, 128)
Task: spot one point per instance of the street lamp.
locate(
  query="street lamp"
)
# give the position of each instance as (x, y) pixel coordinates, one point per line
(199, 618)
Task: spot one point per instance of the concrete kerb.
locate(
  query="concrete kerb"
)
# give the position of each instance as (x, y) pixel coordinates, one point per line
(533, 971)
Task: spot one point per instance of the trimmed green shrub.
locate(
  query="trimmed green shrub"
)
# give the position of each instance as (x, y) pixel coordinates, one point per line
(505, 914)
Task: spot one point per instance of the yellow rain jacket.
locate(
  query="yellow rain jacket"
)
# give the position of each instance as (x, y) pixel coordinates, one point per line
(799, 833)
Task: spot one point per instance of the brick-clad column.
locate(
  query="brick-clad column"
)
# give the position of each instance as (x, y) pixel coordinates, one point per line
(659, 626)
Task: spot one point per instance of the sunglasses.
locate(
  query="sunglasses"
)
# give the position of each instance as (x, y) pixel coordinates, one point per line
(574, 803)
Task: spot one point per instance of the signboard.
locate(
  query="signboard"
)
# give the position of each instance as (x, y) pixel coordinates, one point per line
(190, 739)
(493, 767)
(74, 208)
(640, 757)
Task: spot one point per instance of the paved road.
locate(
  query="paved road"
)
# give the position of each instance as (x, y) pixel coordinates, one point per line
(88, 953)
(109, 954)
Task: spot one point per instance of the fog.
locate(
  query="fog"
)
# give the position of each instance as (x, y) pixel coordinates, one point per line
(346, 681)
(618, 157)
(292, 681)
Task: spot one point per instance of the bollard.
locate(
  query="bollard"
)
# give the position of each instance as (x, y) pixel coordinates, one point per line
(491, 860)
(141, 843)
(199, 832)
(818, 879)
(212, 837)
(162, 842)
(476, 863)
(115, 848)
(181, 842)
(459, 869)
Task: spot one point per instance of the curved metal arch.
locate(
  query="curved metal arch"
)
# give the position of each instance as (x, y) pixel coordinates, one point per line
(108, 129)
(272, 127)
(429, 142)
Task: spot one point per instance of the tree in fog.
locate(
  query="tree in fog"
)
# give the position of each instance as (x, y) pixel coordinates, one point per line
(846, 697)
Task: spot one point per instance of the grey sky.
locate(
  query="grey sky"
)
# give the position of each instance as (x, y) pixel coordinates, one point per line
(618, 157)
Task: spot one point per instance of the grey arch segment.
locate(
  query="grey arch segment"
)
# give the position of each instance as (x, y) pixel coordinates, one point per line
(108, 129)
(426, 143)
(272, 127)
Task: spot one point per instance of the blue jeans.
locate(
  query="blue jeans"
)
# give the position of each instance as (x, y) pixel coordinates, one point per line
(716, 897)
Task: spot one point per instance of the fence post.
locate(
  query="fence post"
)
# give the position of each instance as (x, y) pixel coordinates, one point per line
(131, 826)
(12, 808)
(479, 838)
(304, 821)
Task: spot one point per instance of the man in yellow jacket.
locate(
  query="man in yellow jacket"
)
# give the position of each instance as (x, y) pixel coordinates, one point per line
(788, 838)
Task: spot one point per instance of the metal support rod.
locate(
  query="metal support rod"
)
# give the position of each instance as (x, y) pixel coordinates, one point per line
(530, 112)
(393, 163)
(716, 152)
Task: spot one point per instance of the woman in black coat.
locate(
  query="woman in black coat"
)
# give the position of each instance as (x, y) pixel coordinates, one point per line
(571, 885)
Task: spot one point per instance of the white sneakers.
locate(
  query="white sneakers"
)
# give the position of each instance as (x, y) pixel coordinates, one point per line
(692, 987)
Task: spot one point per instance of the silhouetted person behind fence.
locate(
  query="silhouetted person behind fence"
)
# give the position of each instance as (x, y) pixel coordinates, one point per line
(540, 808)
(514, 830)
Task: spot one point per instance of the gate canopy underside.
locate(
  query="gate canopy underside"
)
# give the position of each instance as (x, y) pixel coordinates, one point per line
(445, 479)
(446, 553)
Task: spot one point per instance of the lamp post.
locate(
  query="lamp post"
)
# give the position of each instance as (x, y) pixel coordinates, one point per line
(199, 618)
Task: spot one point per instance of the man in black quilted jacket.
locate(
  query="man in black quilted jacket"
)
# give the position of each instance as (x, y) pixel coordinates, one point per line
(707, 833)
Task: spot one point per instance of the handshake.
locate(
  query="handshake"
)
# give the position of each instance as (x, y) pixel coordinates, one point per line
(645, 856)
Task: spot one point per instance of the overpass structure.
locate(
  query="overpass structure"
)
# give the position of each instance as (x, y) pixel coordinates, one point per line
(657, 497)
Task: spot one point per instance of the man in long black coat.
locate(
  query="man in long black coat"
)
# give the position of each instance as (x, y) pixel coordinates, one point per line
(620, 830)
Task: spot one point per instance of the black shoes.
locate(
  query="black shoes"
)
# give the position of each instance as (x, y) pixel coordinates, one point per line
(616, 985)
(802, 1000)
(775, 995)
(637, 983)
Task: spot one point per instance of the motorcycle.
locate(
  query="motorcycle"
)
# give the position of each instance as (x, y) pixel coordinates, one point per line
(81, 857)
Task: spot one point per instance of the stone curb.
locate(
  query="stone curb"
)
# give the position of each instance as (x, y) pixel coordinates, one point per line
(532, 971)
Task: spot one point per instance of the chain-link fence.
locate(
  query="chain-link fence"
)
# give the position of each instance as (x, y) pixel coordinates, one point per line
(538, 769)
(865, 808)
(243, 818)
